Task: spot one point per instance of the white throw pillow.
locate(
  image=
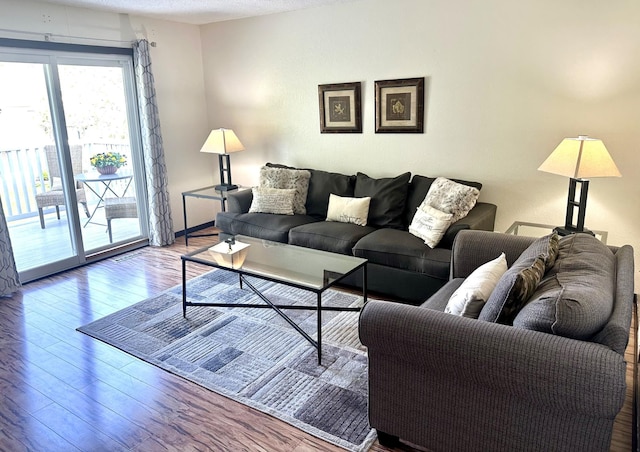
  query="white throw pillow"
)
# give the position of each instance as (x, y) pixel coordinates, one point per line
(451, 197)
(430, 224)
(469, 299)
(348, 210)
(273, 200)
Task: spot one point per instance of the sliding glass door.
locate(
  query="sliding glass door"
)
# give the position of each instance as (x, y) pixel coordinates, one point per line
(70, 160)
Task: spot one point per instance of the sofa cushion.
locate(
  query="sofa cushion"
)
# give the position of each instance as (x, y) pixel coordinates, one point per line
(272, 200)
(418, 189)
(430, 224)
(469, 299)
(328, 236)
(267, 226)
(519, 282)
(575, 299)
(388, 197)
(348, 210)
(271, 177)
(396, 248)
(439, 300)
(321, 185)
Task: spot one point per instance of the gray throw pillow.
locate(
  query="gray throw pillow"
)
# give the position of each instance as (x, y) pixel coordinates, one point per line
(418, 189)
(520, 281)
(285, 178)
(272, 200)
(451, 197)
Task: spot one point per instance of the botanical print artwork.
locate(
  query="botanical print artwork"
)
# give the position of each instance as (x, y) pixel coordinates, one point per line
(399, 107)
(340, 109)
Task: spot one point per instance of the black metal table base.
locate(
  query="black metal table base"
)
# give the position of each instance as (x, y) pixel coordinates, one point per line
(317, 343)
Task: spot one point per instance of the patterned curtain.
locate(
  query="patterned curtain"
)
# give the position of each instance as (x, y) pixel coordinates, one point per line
(9, 281)
(160, 223)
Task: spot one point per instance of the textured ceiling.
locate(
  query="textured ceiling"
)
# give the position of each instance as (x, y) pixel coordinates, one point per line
(196, 11)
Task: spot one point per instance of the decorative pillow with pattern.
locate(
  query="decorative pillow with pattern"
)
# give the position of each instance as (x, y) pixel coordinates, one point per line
(272, 200)
(430, 224)
(553, 248)
(348, 210)
(285, 178)
(525, 285)
(518, 284)
(451, 197)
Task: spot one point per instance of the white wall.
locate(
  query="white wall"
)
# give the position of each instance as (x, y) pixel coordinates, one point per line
(177, 67)
(505, 83)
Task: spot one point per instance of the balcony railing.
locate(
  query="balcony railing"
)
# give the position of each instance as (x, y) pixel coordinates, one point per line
(23, 173)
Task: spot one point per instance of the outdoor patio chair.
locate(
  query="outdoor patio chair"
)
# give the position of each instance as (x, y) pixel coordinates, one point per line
(125, 207)
(55, 196)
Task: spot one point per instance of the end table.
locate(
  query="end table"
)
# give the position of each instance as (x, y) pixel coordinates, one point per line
(205, 193)
(539, 229)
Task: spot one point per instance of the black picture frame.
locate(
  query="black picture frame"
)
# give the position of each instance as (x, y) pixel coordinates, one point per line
(340, 108)
(400, 105)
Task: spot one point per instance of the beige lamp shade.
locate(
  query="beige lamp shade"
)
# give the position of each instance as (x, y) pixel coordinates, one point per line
(581, 158)
(222, 141)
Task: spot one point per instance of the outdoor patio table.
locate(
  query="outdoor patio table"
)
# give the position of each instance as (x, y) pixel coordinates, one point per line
(103, 186)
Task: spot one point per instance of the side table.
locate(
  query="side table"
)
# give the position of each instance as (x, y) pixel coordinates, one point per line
(205, 193)
(539, 229)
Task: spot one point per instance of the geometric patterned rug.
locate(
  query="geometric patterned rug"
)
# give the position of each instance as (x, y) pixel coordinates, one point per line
(252, 355)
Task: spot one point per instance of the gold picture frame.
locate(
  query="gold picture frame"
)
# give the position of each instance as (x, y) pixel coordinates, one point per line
(400, 105)
(340, 109)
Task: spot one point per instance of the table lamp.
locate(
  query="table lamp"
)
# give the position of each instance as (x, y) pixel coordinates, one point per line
(579, 159)
(223, 142)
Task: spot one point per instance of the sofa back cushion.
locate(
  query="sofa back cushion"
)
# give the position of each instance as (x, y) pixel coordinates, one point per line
(575, 298)
(321, 185)
(388, 199)
(418, 189)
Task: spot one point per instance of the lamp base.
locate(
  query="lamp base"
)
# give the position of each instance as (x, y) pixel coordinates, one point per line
(225, 187)
(565, 230)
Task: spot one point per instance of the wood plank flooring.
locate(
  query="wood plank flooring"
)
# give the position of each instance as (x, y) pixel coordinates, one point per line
(63, 391)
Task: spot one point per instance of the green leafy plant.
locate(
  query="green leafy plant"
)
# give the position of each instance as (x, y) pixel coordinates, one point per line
(108, 159)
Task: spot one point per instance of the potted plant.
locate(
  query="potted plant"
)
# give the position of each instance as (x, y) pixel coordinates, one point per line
(108, 162)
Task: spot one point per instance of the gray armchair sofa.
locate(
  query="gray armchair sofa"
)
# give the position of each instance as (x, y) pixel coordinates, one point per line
(400, 265)
(451, 383)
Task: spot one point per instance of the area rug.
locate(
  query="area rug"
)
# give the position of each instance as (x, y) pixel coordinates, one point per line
(252, 355)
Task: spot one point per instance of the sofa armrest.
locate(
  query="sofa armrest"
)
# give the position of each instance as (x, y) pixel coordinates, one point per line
(240, 201)
(482, 217)
(473, 248)
(550, 372)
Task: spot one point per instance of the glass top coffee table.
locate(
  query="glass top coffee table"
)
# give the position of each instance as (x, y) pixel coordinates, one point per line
(294, 266)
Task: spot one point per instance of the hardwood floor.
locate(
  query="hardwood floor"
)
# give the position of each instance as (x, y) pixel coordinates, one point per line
(63, 391)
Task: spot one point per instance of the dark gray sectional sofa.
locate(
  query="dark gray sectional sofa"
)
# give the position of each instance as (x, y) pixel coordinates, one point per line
(400, 265)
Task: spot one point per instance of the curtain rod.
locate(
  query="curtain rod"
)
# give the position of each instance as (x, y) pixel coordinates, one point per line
(47, 36)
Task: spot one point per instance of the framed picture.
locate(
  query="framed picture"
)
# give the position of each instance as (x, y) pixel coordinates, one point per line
(340, 110)
(400, 105)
